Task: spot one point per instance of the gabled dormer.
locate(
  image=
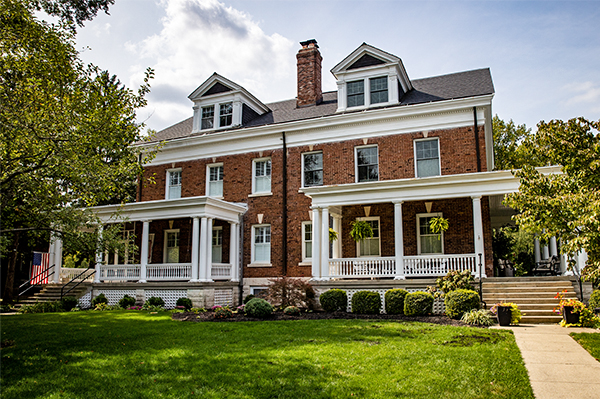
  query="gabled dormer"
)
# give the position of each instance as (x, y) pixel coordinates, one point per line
(370, 77)
(220, 103)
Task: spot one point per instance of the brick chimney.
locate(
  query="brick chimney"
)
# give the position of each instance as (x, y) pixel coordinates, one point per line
(309, 74)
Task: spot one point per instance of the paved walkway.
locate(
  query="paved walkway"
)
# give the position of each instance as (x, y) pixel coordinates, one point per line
(559, 368)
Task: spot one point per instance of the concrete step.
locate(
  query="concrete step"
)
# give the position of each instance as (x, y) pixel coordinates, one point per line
(522, 300)
(529, 282)
(540, 319)
(547, 290)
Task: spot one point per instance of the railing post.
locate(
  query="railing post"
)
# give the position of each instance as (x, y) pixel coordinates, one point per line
(398, 242)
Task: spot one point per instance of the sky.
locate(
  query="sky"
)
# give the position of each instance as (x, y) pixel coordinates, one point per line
(544, 56)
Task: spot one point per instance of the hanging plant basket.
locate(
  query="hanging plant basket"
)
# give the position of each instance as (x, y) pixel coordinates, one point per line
(361, 230)
(438, 224)
(333, 235)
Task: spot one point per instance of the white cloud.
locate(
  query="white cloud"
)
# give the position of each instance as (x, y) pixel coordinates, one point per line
(102, 30)
(199, 37)
(586, 93)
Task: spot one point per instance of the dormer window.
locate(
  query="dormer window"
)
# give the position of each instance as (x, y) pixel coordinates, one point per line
(379, 90)
(226, 114)
(208, 117)
(356, 93)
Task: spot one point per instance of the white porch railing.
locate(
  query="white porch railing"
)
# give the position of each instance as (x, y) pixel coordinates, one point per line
(414, 266)
(362, 267)
(220, 271)
(119, 272)
(69, 273)
(169, 271)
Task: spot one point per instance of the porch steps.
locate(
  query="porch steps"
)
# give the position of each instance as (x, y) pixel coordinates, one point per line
(51, 293)
(535, 296)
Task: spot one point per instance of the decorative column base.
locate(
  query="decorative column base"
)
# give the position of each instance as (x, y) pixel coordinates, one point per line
(400, 278)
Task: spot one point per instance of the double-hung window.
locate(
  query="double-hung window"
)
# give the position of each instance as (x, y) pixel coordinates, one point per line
(379, 90)
(261, 244)
(217, 245)
(307, 238)
(171, 254)
(261, 182)
(427, 158)
(367, 164)
(215, 180)
(370, 246)
(356, 93)
(174, 184)
(312, 169)
(428, 242)
(225, 114)
(208, 117)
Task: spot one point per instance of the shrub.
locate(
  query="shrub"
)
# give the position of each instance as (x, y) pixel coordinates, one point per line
(334, 300)
(155, 301)
(455, 280)
(68, 303)
(366, 302)
(480, 317)
(286, 291)
(460, 301)
(223, 312)
(127, 301)
(101, 306)
(291, 311)
(42, 307)
(418, 304)
(99, 299)
(258, 307)
(185, 302)
(595, 300)
(394, 301)
(248, 298)
(152, 308)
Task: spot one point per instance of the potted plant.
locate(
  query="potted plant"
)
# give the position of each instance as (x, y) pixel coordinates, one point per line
(361, 230)
(568, 308)
(507, 313)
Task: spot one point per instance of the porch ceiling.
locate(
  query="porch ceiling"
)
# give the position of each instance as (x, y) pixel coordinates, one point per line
(171, 209)
(418, 189)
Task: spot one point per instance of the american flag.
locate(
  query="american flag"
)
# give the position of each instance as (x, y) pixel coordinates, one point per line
(41, 260)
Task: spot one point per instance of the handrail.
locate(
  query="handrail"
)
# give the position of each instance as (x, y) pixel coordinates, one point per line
(73, 279)
(19, 293)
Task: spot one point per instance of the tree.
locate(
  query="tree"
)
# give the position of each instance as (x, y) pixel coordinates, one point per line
(565, 205)
(66, 135)
(508, 151)
(71, 11)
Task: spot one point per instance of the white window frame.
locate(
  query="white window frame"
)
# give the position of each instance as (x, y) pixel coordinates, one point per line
(322, 170)
(220, 115)
(367, 90)
(150, 246)
(213, 116)
(253, 245)
(213, 246)
(439, 155)
(165, 245)
(208, 181)
(254, 162)
(358, 252)
(168, 182)
(254, 289)
(306, 259)
(356, 162)
(424, 215)
(387, 89)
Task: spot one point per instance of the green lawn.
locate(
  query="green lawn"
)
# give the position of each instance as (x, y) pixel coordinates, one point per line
(590, 342)
(127, 354)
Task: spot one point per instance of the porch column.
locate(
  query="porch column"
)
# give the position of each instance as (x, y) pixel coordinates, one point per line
(536, 250)
(478, 230)
(209, 231)
(202, 276)
(233, 251)
(195, 247)
(56, 248)
(98, 257)
(398, 241)
(337, 244)
(325, 244)
(144, 251)
(316, 244)
(553, 246)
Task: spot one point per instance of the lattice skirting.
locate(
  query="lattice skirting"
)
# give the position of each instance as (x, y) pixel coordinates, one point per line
(223, 297)
(438, 304)
(85, 301)
(169, 296)
(114, 296)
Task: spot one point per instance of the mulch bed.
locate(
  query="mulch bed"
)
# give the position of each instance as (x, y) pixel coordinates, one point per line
(209, 316)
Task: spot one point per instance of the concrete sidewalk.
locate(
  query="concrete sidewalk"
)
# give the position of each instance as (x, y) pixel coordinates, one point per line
(559, 368)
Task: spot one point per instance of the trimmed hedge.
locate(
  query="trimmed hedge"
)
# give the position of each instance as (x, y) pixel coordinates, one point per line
(127, 301)
(68, 303)
(185, 302)
(99, 299)
(258, 307)
(366, 302)
(334, 300)
(394, 301)
(595, 300)
(460, 301)
(418, 304)
(291, 311)
(155, 301)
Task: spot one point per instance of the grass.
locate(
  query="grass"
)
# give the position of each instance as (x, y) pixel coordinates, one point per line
(590, 342)
(127, 354)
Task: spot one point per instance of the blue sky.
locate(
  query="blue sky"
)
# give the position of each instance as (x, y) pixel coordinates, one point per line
(544, 56)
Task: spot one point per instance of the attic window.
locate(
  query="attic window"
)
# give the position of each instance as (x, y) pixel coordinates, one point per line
(379, 90)
(356, 93)
(208, 117)
(226, 112)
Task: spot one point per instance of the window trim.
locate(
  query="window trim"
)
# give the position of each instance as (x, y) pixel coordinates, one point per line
(367, 90)
(165, 234)
(364, 93)
(369, 218)
(214, 165)
(303, 231)
(415, 141)
(302, 166)
(212, 246)
(387, 90)
(202, 108)
(221, 115)
(254, 162)
(424, 215)
(356, 148)
(253, 249)
(168, 181)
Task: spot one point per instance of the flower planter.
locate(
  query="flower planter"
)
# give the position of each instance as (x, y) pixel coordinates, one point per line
(504, 315)
(568, 316)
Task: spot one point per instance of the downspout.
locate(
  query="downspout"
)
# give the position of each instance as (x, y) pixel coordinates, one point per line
(240, 259)
(284, 257)
(476, 131)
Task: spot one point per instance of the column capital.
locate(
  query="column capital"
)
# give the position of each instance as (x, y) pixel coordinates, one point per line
(398, 202)
(476, 197)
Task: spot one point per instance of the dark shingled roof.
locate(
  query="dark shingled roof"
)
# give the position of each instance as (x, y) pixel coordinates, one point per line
(438, 88)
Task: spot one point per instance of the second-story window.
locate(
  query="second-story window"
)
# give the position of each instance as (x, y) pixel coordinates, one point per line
(262, 176)
(356, 93)
(427, 158)
(174, 184)
(312, 169)
(208, 117)
(225, 114)
(379, 90)
(367, 164)
(215, 181)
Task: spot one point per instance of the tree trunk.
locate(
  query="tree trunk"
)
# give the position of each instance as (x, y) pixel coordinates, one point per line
(9, 286)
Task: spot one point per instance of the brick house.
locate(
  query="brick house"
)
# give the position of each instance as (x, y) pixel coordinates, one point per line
(246, 191)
